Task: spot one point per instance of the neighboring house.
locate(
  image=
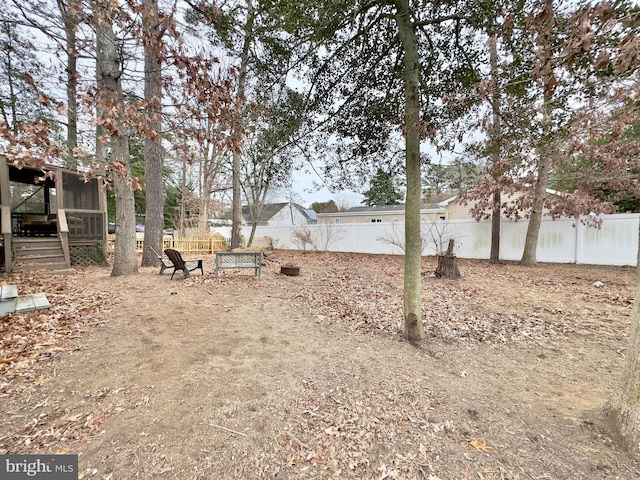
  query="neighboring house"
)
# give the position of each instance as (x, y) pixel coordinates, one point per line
(381, 214)
(283, 214)
(456, 210)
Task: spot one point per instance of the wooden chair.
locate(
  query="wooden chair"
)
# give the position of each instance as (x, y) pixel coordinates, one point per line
(180, 264)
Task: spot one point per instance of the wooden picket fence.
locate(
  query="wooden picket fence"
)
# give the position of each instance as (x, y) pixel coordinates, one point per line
(199, 245)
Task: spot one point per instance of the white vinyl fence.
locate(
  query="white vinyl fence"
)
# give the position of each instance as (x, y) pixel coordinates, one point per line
(559, 241)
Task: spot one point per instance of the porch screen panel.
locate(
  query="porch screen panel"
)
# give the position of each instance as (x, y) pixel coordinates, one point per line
(27, 198)
(79, 194)
(85, 225)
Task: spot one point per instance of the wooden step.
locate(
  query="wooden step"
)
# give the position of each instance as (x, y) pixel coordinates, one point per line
(38, 254)
(29, 267)
(40, 259)
(21, 241)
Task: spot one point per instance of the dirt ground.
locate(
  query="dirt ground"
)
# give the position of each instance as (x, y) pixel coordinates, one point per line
(309, 377)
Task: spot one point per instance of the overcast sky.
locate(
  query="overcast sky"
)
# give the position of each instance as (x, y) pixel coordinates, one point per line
(307, 188)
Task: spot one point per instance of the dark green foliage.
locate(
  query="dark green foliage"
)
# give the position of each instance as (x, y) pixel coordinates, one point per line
(137, 170)
(172, 198)
(353, 59)
(383, 190)
(172, 193)
(456, 178)
(325, 207)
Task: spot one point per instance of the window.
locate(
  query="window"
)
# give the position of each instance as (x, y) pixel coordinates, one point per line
(337, 221)
(376, 220)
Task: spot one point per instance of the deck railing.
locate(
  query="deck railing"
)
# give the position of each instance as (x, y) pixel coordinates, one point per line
(203, 245)
(84, 225)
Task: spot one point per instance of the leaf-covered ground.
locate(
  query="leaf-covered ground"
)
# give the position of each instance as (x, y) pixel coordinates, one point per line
(309, 377)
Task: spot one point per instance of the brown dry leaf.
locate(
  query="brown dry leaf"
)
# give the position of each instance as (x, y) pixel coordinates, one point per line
(335, 427)
(27, 339)
(93, 424)
(58, 349)
(481, 447)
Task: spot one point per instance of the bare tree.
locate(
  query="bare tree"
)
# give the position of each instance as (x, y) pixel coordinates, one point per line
(153, 151)
(70, 14)
(242, 79)
(112, 108)
(435, 234)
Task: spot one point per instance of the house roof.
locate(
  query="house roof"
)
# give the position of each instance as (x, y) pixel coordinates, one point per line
(379, 208)
(269, 210)
(311, 214)
(399, 208)
(383, 210)
(447, 201)
(550, 191)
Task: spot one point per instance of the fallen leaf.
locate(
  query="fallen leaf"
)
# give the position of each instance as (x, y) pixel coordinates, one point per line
(481, 447)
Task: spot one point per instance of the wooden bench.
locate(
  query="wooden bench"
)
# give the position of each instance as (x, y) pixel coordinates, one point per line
(234, 260)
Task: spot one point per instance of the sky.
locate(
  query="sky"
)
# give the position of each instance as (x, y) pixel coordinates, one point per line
(307, 188)
(305, 184)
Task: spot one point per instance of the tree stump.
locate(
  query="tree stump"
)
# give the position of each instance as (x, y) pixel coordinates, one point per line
(448, 263)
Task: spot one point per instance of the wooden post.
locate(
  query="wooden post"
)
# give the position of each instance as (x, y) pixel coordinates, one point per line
(448, 263)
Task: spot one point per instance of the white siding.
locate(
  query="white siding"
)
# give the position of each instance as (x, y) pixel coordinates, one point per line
(288, 216)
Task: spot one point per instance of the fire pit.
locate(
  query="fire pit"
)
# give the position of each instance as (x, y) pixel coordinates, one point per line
(290, 269)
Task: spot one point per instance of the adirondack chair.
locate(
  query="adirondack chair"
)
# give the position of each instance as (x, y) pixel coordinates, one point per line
(163, 266)
(179, 263)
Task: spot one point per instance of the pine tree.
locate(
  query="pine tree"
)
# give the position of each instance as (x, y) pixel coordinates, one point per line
(383, 190)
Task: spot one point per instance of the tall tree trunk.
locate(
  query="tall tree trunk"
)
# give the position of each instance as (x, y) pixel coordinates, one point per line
(254, 214)
(496, 133)
(242, 77)
(236, 201)
(153, 161)
(621, 412)
(252, 235)
(413, 327)
(100, 157)
(496, 224)
(203, 218)
(70, 21)
(546, 147)
(529, 258)
(183, 196)
(203, 208)
(109, 71)
(8, 61)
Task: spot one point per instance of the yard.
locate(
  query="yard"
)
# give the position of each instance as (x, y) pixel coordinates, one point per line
(309, 377)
